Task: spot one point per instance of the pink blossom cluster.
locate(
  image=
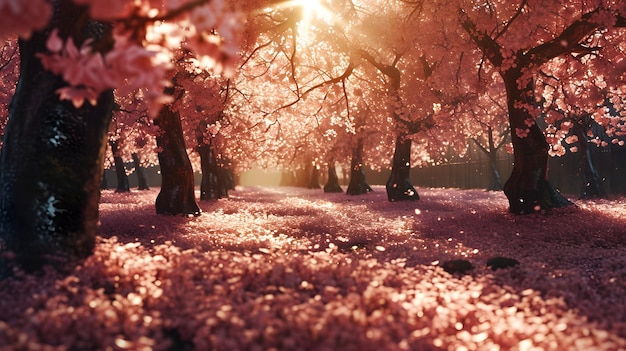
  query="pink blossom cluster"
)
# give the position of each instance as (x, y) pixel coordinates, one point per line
(22, 17)
(109, 10)
(88, 73)
(213, 35)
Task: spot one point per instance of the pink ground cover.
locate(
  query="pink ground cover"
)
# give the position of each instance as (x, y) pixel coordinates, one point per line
(297, 269)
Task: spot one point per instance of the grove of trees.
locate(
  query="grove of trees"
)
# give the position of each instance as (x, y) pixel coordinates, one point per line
(302, 85)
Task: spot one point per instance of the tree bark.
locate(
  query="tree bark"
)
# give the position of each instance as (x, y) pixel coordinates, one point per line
(495, 182)
(177, 195)
(592, 182)
(226, 180)
(142, 181)
(120, 170)
(399, 187)
(210, 184)
(332, 185)
(314, 178)
(528, 189)
(52, 158)
(104, 184)
(358, 185)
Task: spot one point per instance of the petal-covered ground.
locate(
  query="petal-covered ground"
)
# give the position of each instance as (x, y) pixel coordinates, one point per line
(297, 269)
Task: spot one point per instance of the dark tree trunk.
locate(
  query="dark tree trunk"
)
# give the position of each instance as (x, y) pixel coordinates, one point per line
(120, 170)
(177, 182)
(314, 178)
(495, 182)
(528, 189)
(358, 185)
(104, 184)
(332, 185)
(399, 187)
(51, 161)
(226, 181)
(592, 182)
(210, 184)
(142, 181)
(122, 177)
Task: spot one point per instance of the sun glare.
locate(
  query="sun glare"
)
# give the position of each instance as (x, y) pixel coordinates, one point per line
(314, 14)
(313, 9)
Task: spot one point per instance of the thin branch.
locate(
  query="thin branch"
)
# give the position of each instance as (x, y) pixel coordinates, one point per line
(519, 11)
(490, 48)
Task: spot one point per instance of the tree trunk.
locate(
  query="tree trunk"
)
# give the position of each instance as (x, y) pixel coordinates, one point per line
(142, 181)
(491, 151)
(332, 185)
(177, 183)
(120, 170)
(314, 178)
(104, 184)
(357, 185)
(210, 184)
(528, 189)
(52, 159)
(399, 187)
(122, 177)
(495, 182)
(592, 182)
(226, 181)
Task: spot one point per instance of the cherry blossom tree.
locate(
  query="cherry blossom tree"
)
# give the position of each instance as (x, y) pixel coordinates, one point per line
(134, 133)
(201, 109)
(494, 28)
(284, 100)
(177, 194)
(319, 53)
(575, 99)
(486, 125)
(53, 147)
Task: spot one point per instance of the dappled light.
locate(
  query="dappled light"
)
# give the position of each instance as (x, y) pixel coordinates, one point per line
(291, 268)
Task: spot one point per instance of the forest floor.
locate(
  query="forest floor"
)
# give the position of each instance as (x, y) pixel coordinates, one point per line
(297, 269)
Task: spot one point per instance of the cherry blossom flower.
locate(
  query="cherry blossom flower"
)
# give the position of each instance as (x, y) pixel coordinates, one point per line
(522, 133)
(84, 70)
(22, 17)
(204, 18)
(556, 150)
(529, 122)
(127, 67)
(108, 9)
(571, 139)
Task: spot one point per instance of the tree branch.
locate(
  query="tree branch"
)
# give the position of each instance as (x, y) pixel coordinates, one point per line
(569, 40)
(510, 21)
(487, 45)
